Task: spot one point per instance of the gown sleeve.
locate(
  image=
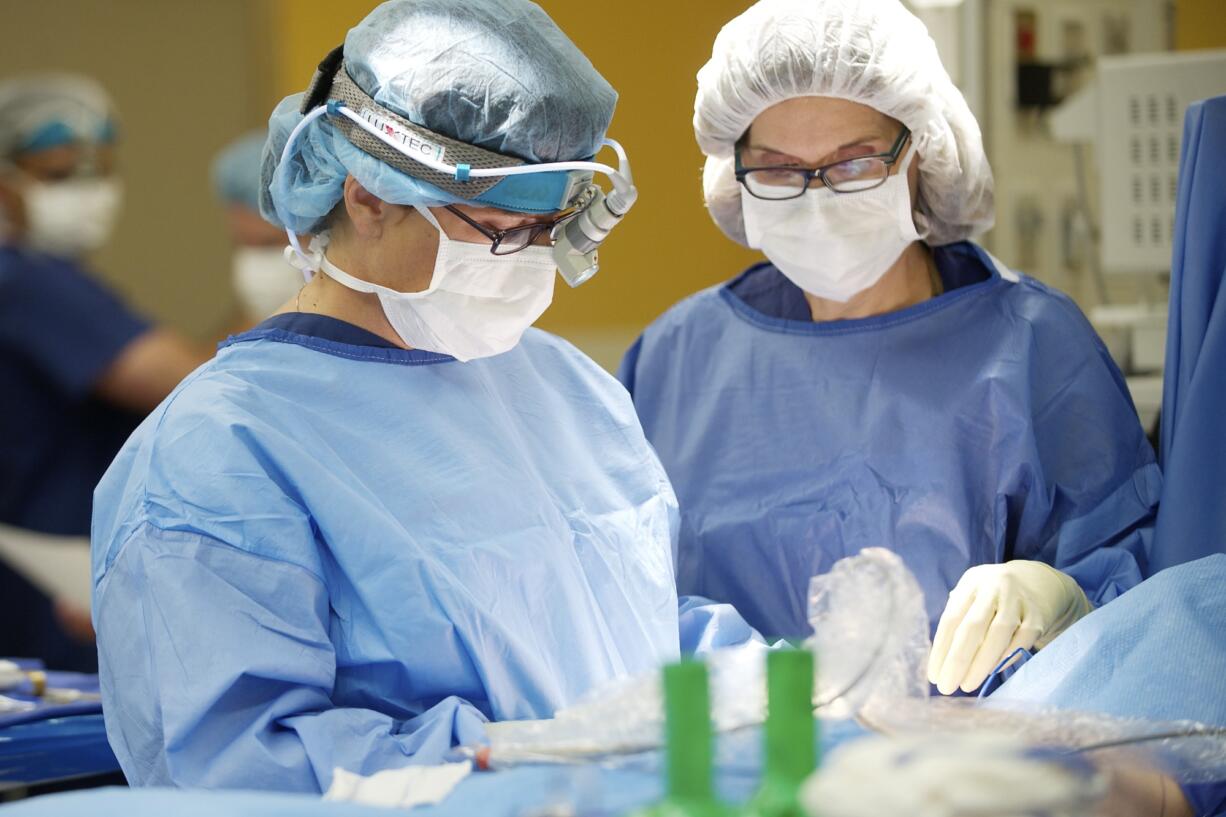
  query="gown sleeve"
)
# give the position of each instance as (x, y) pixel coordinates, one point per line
(707, 625)
(217, 670)
(1084, 498)
(66, 325)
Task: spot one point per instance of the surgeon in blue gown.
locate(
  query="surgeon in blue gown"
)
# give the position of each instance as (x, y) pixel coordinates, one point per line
(881, 380)
(392, 511)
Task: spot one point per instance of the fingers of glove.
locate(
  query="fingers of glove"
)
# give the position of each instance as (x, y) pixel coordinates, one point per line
(1025, 638)
(960, 601)
(995, 644)
(970, 634)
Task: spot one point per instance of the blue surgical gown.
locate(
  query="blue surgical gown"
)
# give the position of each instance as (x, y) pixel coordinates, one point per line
(985, 424)
(60, 330)
(323, 551)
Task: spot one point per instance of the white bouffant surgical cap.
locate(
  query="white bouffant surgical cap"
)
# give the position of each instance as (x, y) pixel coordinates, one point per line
(873, 52)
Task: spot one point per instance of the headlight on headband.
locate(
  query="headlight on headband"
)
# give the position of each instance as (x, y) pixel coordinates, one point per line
(478, 176)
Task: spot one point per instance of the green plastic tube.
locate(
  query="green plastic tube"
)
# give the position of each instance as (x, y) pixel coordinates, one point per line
(790, 736)
(688, 768)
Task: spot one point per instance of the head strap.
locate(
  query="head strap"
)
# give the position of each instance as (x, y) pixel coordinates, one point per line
(332, 83)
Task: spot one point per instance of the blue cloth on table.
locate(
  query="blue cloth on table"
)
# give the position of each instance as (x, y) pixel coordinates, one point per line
(1157, 652)
(592, 790)
(119, 802)
(986, 424)
(322, 551)
(54, 741)
(48, 750)
(1192, 516)
(60, 329)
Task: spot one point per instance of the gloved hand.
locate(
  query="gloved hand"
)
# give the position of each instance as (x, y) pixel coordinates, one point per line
(993, 610)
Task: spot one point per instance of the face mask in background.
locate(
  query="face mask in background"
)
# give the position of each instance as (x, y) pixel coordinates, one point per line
(477, 305)
(834, 245)
(263, 280)
(72, 217)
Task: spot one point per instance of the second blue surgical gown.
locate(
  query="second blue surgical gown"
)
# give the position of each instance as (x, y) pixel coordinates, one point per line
(322, 551)
(985, 424)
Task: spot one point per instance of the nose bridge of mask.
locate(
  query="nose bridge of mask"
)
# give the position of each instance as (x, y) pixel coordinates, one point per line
(471, 269)
(844, 214)
(895, 192)
(460, 268)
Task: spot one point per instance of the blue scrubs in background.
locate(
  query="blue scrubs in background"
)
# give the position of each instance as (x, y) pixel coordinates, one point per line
(60, 329)
(985, 424)
(323, 550)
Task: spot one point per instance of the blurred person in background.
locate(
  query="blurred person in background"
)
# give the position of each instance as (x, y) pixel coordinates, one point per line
(79, 369)
(263, 280)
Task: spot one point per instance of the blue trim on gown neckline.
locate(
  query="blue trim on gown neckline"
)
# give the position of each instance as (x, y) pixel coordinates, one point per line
(333, 336)
(765, 297)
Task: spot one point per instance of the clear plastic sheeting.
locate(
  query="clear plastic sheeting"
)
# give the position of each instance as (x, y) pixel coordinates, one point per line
(871, 647)
(870, 635)
(1187, 751)
(952, 776)
(628, 716)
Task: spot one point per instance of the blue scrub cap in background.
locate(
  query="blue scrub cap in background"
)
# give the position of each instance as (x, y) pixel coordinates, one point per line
(497, 74)
(44, 111)
(236, 170)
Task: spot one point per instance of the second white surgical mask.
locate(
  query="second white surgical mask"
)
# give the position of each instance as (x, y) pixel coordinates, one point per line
(71, 217)
(834, 245)
(477, 305)
(263, 280)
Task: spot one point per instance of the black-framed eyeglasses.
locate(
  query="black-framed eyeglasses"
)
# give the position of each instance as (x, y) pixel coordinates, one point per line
(848, 176)
(505, 242)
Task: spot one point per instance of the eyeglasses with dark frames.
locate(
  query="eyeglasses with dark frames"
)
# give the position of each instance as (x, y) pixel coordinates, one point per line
(776, 183)
(505, 242)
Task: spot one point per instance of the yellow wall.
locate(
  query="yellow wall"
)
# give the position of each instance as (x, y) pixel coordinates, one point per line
(649, 50)
(1200, 24)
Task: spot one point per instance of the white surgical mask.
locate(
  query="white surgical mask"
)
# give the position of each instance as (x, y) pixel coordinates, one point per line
(834, 245)
(477, 305)
(263, 280)
(71, 217)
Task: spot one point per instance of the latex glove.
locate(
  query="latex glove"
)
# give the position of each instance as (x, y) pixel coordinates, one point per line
(993, 610)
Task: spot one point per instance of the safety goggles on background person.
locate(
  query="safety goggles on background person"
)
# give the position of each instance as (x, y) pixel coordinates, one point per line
(777, 183)
(480, 177)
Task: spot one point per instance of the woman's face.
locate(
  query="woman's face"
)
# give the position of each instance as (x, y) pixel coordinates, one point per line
(814, 131)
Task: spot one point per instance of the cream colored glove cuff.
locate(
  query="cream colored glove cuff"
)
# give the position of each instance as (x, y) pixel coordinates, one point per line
(994, 610)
